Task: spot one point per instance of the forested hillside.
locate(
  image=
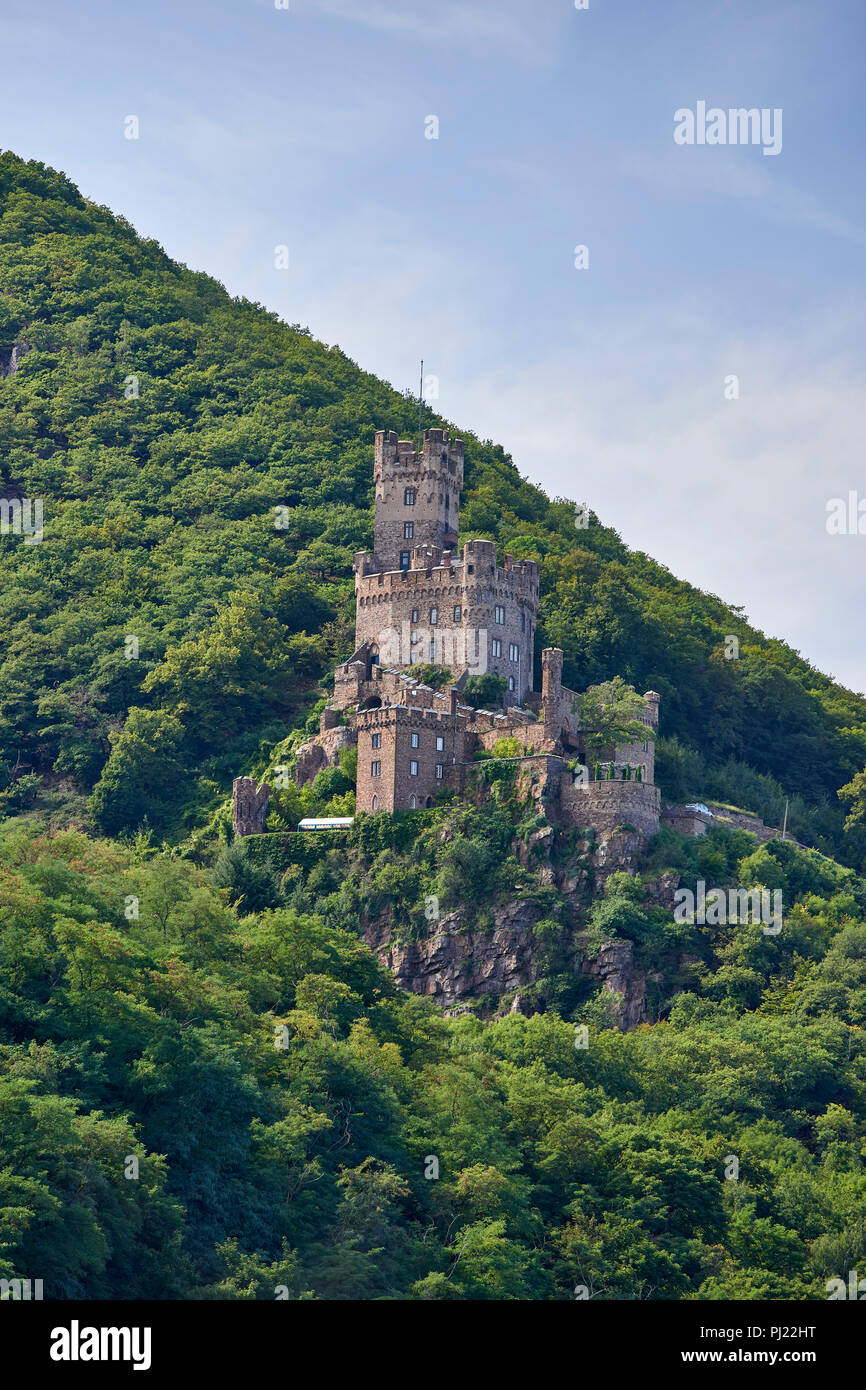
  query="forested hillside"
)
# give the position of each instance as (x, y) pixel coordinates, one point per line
(209, 1086)
(162, 422)
(303, 1130)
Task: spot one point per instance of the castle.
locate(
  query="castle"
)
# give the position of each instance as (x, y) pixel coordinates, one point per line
(421, 601)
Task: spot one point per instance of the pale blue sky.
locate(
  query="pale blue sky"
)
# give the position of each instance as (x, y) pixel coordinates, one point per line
(306, 127)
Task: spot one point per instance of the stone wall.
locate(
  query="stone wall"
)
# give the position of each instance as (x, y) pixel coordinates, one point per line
(685, 820)
(688, 821)
(609, 805)
(742, 820)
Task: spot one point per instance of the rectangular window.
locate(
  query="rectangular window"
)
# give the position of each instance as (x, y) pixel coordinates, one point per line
(440, 744)
(413, 769)
(413, 739)
(409, 497)
(499, 614)
(440, 771)
(510, 682)
(495, 646)
(414, 615)
(458, 613)
(377, 741)
(408, 530)
(434, 616)
(404, 559)
(513, 652)
(376, 769)
(523, 622)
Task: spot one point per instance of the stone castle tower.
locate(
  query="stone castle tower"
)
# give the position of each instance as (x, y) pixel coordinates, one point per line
(417, 499)
(419, 601)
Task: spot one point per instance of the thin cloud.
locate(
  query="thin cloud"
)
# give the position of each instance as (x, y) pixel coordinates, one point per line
(526, 30)
(718, 173)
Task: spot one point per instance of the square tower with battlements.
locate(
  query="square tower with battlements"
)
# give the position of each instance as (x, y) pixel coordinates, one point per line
(418, 600)
(417, 498)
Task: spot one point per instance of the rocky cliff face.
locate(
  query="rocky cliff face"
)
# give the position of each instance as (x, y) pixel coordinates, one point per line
(453, 964)
(321, 752)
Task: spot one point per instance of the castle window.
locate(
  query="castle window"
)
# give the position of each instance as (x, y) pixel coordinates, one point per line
(522, 621)
(413, 769)
(413, 802)
(513, 651)
(413, 739)
(408, 530)
(440, 743)
(495, 647)
(510, 682)
(458, 612)
(440, 771)
(644, 748)
(499, 614)
(447, 502)
(404, 559)
(376, 741)
(414, 615)
(470, 569)
(376, 769)
(434, 616)
(409, 497)
(433, 652)
(375, 803)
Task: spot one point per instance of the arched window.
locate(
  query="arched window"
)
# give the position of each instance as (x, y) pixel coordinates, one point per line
(429, 802)
(413, 802)
(375, 803)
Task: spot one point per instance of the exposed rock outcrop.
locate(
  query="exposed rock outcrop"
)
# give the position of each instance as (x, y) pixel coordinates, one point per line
(321, 752)
(10, 361)
(453, 964)
(613, 966)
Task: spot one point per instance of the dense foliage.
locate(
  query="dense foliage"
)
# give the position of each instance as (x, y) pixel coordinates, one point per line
(208, 1085)
(290, 1111)
(205, 472)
